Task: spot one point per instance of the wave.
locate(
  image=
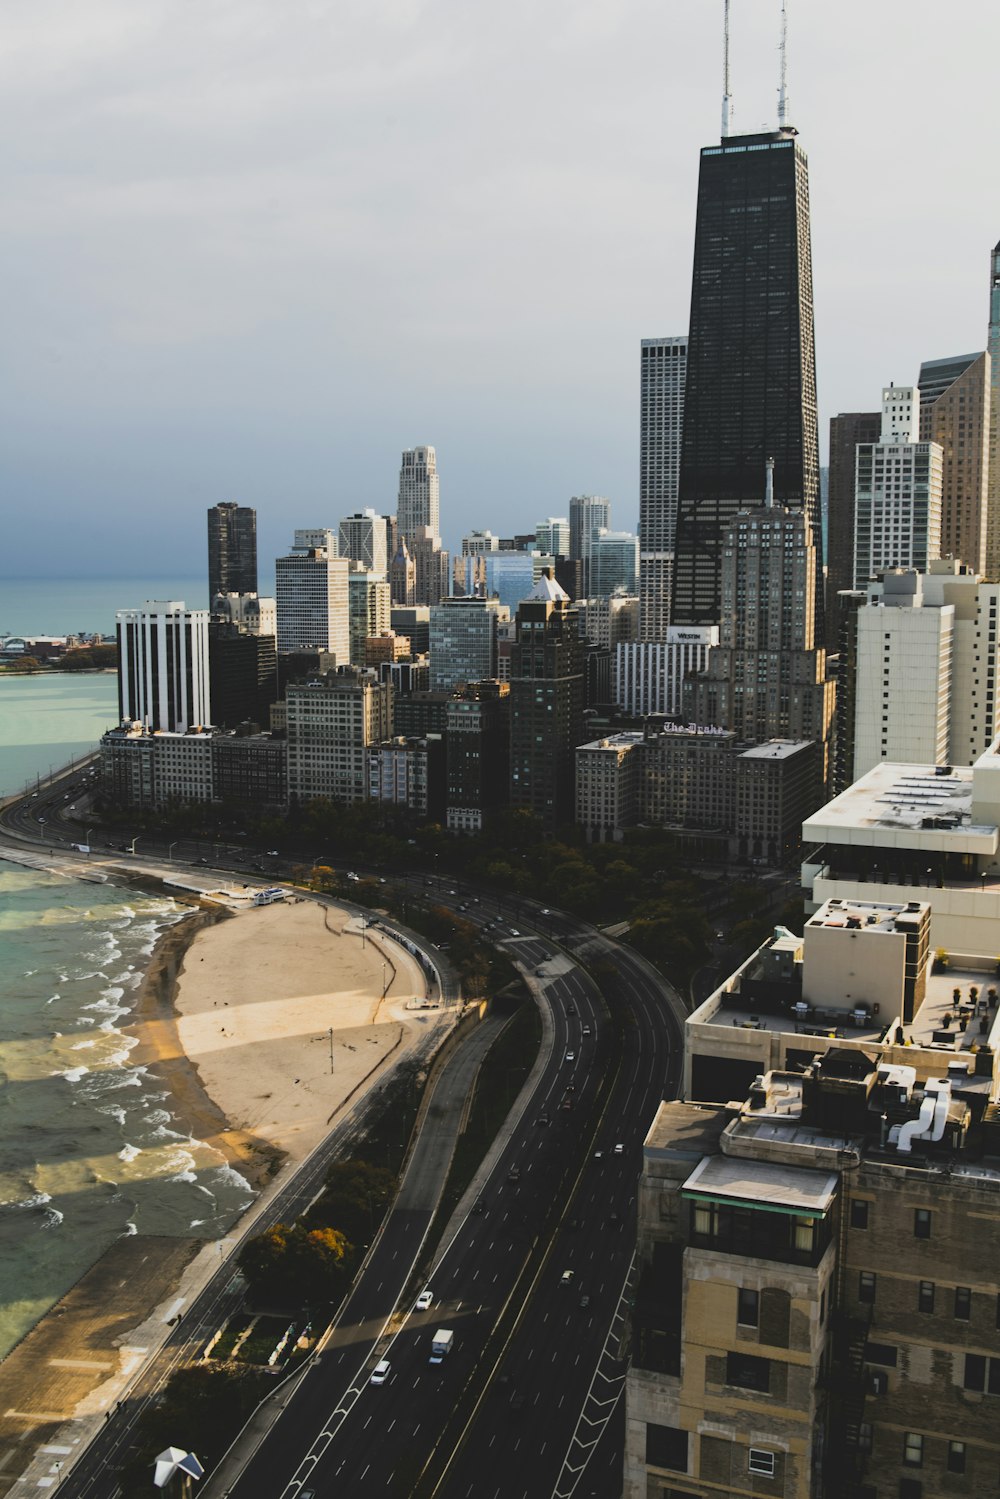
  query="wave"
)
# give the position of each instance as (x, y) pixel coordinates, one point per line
(37, 1200)
(129, 1153)
(114, 1111)
(53, 1218)
(128, 1231)
(157, 1116)
(230, 1177)
(73, 1074)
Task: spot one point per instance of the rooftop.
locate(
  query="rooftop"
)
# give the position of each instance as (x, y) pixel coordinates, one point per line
(910, 806)
(775, 749)
(762, 1185)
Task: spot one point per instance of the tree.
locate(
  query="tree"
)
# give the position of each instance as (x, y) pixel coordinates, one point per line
(356, 1198)
(297, 1264)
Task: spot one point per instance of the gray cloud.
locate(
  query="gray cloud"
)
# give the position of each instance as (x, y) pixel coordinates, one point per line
(254, 249)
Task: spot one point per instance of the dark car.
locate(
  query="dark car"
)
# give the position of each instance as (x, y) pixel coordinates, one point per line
(584, 1303)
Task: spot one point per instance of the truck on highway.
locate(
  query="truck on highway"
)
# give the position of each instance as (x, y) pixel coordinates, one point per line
(441, 1344)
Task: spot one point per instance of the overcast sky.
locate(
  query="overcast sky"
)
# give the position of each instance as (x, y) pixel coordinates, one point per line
(254, 248)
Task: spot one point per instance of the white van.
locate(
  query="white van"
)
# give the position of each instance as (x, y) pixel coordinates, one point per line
(380, 1373)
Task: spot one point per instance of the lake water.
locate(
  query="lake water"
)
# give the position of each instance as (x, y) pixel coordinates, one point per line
(89, 1146)
(49, 719)
(58, 606)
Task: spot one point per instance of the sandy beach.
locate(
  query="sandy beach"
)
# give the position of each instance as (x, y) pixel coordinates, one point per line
(280, 1017)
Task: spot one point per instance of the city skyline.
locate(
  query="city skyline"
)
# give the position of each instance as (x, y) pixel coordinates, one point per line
(196, 344)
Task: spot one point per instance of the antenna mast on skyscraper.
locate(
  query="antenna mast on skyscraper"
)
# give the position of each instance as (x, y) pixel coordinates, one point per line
(727, 98)
(783, 69)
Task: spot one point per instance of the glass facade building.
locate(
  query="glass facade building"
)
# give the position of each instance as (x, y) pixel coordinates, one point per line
(751, 378)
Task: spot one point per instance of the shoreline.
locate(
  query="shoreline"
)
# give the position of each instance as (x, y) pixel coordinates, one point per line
(154, 1022)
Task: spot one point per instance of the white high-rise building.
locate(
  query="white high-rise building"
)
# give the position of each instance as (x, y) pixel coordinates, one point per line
(552, 536)
(927, 686)
(312, 603)
(898, 488)
(649, 674)
(363, 539)
(419, 493)
(661, 408)
(163, 665)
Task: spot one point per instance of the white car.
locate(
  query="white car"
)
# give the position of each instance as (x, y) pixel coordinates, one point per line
(424, 1300)
(380, 1373)
(571, 1056)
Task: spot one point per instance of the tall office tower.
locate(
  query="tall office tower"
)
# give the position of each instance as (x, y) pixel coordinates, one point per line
(993, 483)
(661, 414)
(750, 390)
(846, 431)
(243, 672)
(767, 677)
(587, 513)
(363, 539)
(332, 721)
(897, 492)
(955, 413)
(163, 672)
(463, 642)
(232, 549)
(312, 601)
(403, 576)
(552, 536)
(419, 494)
(369, 605)
(432, 566)
(614, 563)
(478, 755)
(546, 696)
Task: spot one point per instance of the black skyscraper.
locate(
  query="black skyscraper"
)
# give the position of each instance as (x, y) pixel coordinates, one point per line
(232, 550)
(751, 372)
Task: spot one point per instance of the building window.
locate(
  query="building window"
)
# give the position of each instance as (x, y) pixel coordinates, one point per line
(748, 1373)
(922, 1223)
(956, 1457)
(866, 1287)
(925, 1296)
(761, 1462)
(882, 1353)
(982, 1374)
(748, 1308)
(910, 1488)
(963, 1303)
(859, 1212)
(913, 1450)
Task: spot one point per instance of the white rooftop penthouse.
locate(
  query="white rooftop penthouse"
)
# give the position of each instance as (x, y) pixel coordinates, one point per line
(916, 831)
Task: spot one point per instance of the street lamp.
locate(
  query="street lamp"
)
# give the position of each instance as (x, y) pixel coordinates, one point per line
(171, 847)
(135, 840)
